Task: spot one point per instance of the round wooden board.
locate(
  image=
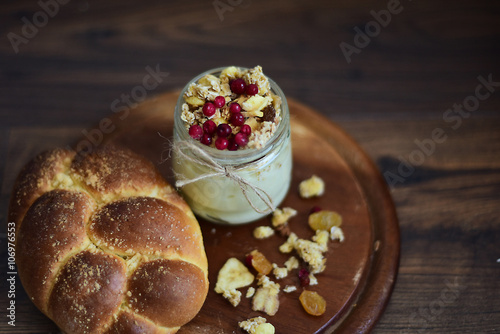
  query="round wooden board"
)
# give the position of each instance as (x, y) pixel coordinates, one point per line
(360, 272)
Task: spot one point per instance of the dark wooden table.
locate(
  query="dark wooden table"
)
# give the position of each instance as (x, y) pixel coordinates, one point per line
(415, 83)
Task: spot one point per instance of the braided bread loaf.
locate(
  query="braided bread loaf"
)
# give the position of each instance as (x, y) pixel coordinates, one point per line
(105, 245)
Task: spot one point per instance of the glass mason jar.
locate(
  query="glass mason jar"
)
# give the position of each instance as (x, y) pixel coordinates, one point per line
(220, 198)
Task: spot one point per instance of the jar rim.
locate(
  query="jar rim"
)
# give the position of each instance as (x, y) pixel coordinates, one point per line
(238, 156)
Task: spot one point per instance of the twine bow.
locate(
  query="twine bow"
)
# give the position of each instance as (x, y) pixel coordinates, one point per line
(201, 157)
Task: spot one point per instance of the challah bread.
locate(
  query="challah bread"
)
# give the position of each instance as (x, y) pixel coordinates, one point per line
(105, 245)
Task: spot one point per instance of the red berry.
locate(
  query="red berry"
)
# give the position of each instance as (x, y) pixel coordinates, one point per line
(315, 209)
(224, 130)
(246, 129)
(237, 119)
(209, 127)
(234, 107)
(208, 109)
(238, 86)
(252, 89)
(248, 261)
(195, 131)
(304, 277)
(221, 143)
(219, 101)
(232, 146)
(206, 139)
(241, 139)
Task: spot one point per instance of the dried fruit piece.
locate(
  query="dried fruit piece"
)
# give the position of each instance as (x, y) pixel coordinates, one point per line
(304, 277)
(269, 114)
(233, 275)
(312, 302)
(194, 101)
(260, 262)
(324, 220)
(266, 297)
(314, 186)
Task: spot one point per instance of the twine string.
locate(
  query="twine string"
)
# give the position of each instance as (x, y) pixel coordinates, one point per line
(201, 157)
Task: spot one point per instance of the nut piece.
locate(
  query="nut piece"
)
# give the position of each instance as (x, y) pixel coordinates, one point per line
(233, 275)
(311, 187)
(257, 325)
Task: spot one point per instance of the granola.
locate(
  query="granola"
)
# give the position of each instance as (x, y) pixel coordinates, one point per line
(261, 111)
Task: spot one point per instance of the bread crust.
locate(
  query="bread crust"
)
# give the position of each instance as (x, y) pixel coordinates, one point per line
(105, 245)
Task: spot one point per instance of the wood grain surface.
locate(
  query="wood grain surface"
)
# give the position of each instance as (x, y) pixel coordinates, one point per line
(90, 59)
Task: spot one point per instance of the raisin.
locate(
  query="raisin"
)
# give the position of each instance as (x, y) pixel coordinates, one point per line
(324, 220)
(312, 302)
(269, 114)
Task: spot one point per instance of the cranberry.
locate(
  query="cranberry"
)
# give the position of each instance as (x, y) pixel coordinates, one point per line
(234, 108)
(238, 86)
(248, 261)
(237, 119)
(221, 143)
(219, 101)
(208, 109)
(232, 146)
(246, 129)
(241, 139)
(195, 131)
(252, 89)
(206, 139)
(315, 209)
(209, 127)
(304, 277)
(224, 130)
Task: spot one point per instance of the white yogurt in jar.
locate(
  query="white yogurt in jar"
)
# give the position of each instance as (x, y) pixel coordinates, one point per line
(266, 171)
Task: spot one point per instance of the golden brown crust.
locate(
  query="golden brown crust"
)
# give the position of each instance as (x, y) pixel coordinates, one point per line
(146, 225)
(105, 244)
(53, 228)
(34, 180)
(110, 171)
(88, 292)
(130, 323)
(169, 292)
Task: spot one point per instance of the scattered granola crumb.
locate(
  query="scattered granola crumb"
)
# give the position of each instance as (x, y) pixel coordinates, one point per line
(233, 296)
(257, 325)
(281, 216)
(336, 233)
(312, 187)
(289, 288)
(263, 232)
(250, 292)
(312, 279)
(292, 263)
(278, 272)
